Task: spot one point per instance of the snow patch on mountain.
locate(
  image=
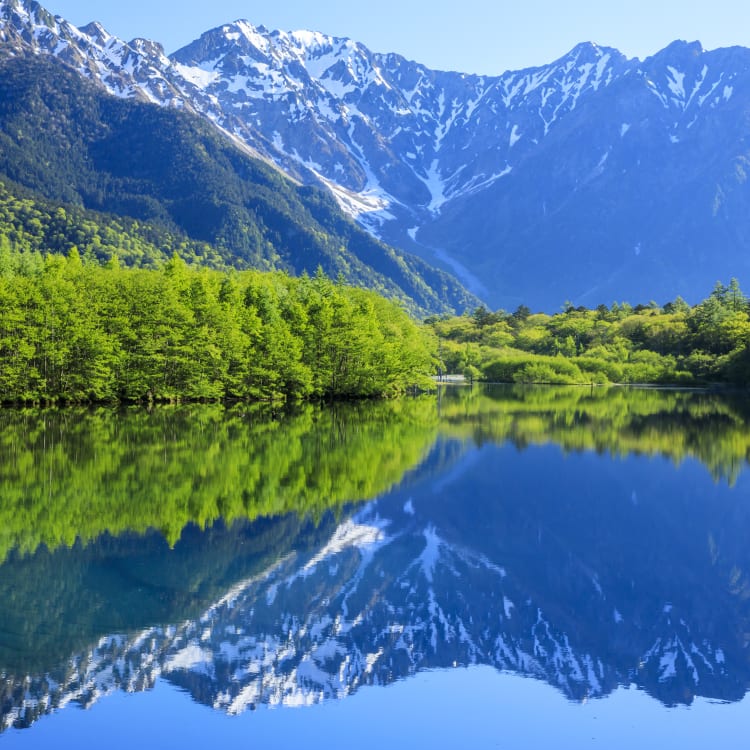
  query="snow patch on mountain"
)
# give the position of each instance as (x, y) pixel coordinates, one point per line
(407, 151)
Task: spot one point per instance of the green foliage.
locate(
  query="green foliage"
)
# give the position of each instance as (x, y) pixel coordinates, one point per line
(675, 344)
(77, 332)
(678, 424)
(32, 225)
(71, 474)
(551, 370)
(167, 174)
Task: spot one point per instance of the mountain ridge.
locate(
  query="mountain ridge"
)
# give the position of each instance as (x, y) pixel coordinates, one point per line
(591, 178)
(72, 144)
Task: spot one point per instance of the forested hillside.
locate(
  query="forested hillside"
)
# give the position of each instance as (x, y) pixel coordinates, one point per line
(29, 224)
(74, 145)
(77, 332)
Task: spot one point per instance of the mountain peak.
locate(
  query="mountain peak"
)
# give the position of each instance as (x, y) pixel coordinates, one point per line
(590, 52)
(680, 50)
(97, 32)
(239, 36)
(242, 28)
(147, 47)
(310, 39)
(27, 9)
(681, 45)
(586, 48)
(300, 41)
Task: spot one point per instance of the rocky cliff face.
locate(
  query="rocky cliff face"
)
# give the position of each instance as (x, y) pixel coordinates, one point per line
(590, 178)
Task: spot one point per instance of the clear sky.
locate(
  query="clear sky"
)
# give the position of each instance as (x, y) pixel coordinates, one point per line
(472, 36)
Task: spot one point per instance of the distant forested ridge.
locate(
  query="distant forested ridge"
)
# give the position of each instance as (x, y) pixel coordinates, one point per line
(75, 332)
(675, 344)
(163, 178)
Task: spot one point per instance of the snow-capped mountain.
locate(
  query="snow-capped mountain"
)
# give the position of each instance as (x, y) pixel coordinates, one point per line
(592, 176)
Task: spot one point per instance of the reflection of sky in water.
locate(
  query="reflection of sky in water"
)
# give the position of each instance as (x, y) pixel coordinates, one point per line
(462, 708)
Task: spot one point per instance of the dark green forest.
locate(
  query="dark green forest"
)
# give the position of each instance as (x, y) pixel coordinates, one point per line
(34, 225)
(170, 181)
(74, 332)
(674, 344)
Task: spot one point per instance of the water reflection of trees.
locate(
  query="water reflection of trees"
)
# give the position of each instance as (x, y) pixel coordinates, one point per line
(678, 424)
(70, 475)
(574, 555)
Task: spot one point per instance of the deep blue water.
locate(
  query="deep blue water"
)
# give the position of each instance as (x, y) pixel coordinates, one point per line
(508, 592)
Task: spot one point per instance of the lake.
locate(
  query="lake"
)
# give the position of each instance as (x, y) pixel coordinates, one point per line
(494, 566)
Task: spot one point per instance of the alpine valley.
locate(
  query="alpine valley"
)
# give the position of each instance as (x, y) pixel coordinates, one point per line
(593, 178)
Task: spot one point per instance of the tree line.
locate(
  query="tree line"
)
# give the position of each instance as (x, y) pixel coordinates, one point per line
(671, 344)
(75, 332)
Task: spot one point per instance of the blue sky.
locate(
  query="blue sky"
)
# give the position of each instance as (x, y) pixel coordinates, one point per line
(473, 36)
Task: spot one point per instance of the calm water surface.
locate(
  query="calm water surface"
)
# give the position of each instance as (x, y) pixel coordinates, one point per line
(495, 567)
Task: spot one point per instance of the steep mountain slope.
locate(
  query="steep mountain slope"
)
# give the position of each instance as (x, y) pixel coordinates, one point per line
(73, 144)
(640, 193)
(592, 178)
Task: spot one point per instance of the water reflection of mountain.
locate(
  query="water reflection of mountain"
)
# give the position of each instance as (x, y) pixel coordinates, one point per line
(579, 570)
